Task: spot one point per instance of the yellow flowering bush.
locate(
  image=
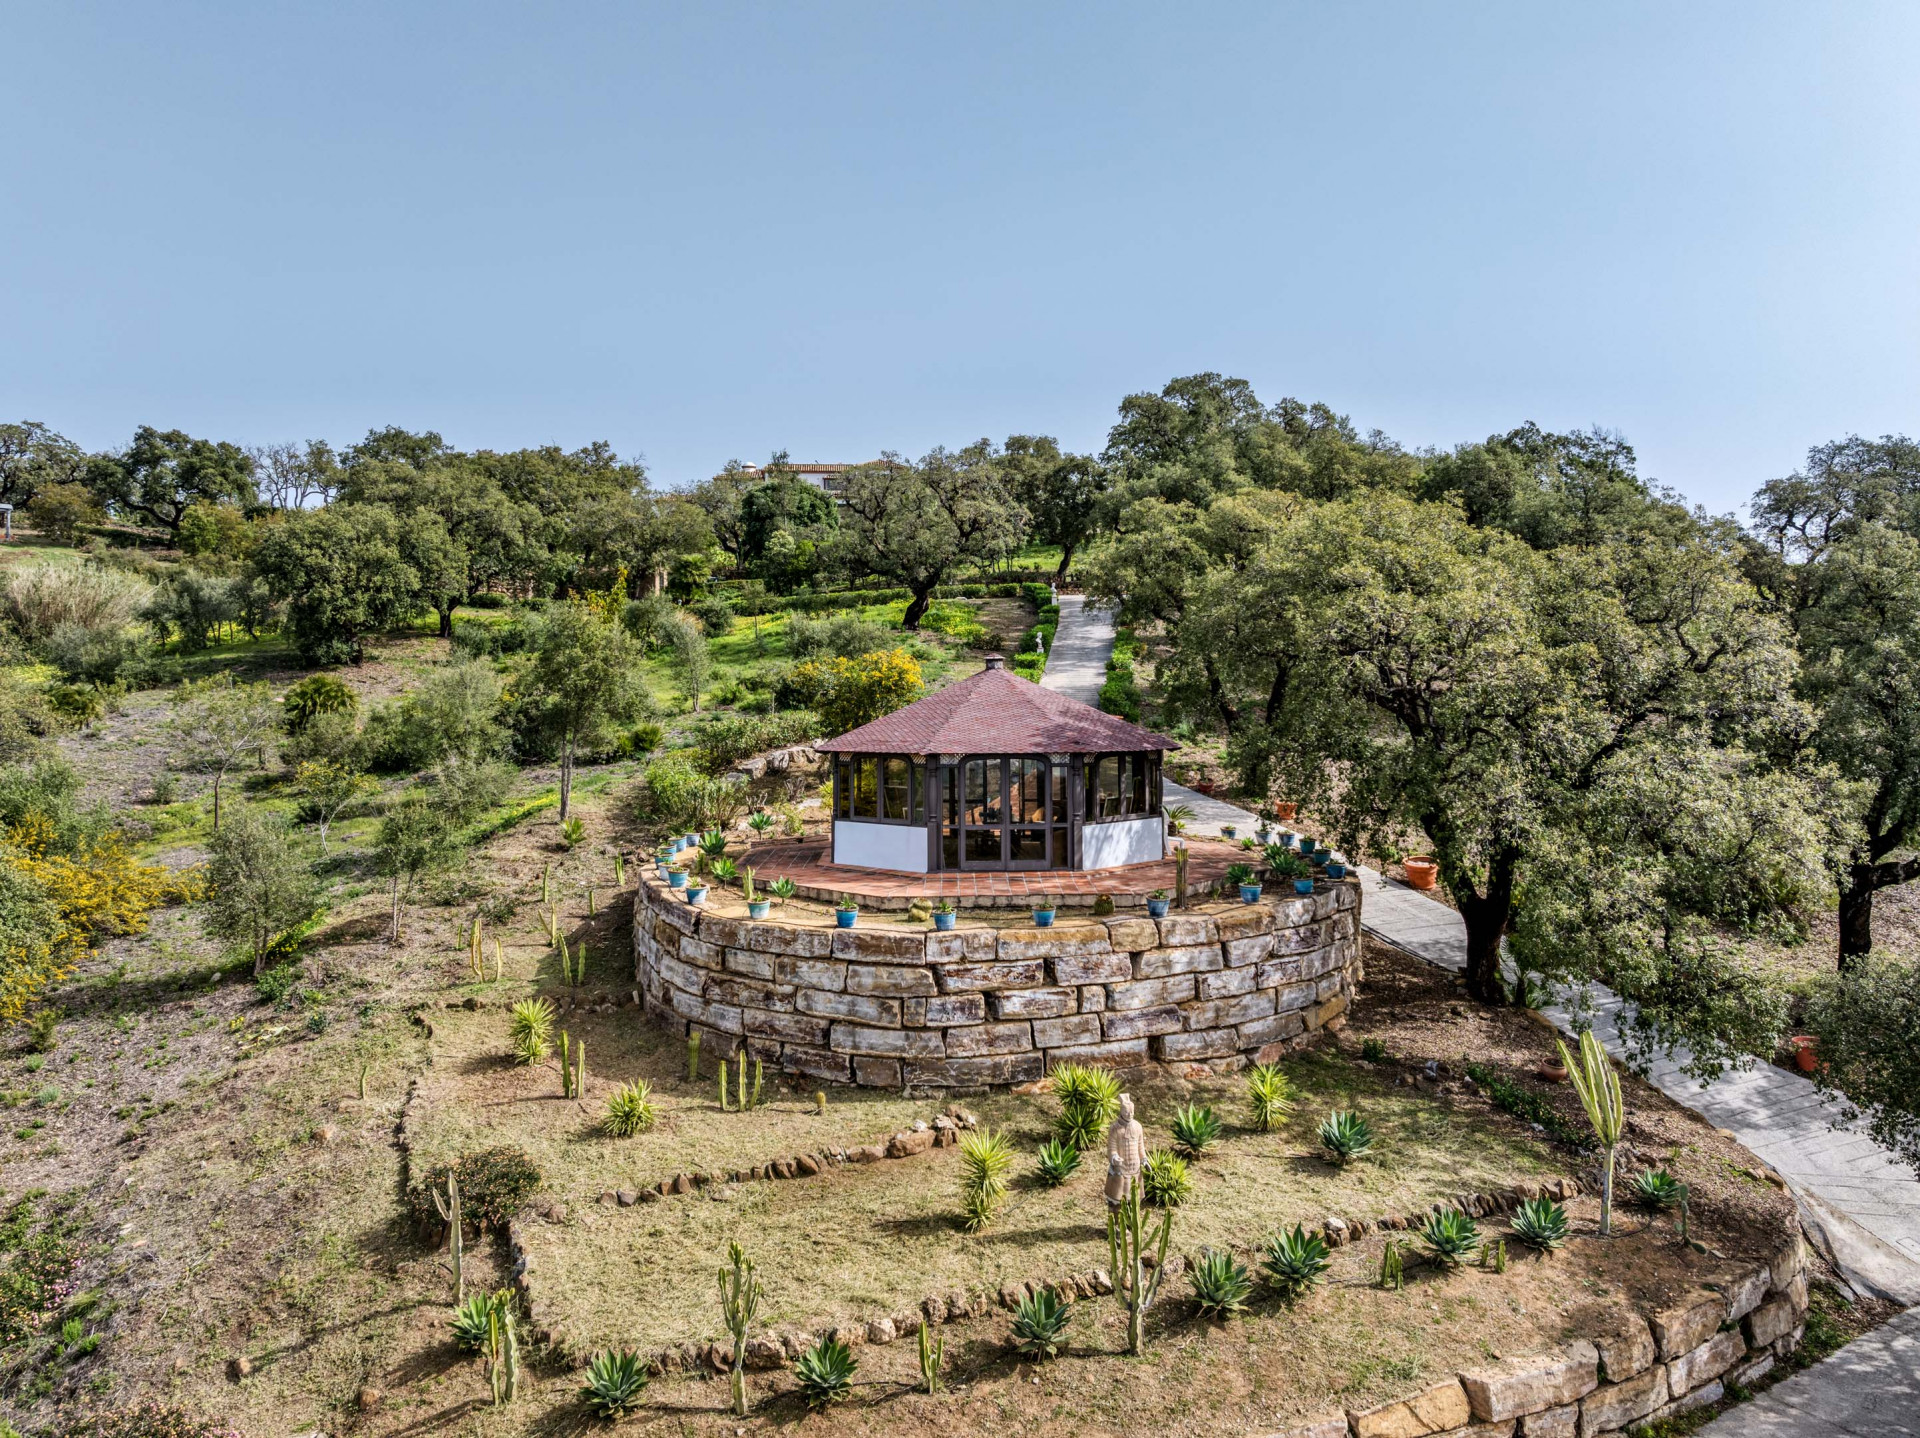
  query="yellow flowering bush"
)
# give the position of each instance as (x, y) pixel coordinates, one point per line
(850, 692)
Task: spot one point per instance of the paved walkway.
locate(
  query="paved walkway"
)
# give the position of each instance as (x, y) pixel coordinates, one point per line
(1078, 665)
(1869, 1389)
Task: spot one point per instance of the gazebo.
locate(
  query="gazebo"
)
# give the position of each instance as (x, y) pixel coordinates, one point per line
(996, 772)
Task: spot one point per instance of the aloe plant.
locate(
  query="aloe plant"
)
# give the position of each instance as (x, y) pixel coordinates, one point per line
(1040, 1323)
(1221, 1284)
(762, 824)
(1293, 1260)
(1058, 1162)
(1345, 1136)
(470, 1321)
(615, 1382)
(783, 888)
(1195, 1128)
(826, 1373)
(724, 870)
(1599, 1089)
(1449, 1236)
(1269, 1096)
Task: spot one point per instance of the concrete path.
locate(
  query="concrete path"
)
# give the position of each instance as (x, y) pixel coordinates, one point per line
(1081, 645)
(1209, 815)
(1869, 1389)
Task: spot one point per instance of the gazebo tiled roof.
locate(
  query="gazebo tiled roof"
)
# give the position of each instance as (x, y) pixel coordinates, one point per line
(996, 712)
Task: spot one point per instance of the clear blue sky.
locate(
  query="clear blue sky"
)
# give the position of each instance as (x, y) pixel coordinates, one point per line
(706, 230)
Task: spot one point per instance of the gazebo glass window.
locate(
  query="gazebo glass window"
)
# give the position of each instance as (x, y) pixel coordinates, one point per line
(880, 789)
(1125, 786)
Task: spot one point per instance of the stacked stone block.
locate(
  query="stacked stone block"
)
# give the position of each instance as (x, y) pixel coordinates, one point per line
(887, 1006)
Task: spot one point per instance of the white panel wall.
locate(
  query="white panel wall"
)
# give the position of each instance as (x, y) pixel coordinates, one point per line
(1122, 841)
(880, 846)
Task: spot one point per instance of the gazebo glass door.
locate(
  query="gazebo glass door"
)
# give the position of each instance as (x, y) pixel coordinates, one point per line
(1006, 812)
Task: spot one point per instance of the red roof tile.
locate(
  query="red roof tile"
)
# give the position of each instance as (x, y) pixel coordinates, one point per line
(996, 712)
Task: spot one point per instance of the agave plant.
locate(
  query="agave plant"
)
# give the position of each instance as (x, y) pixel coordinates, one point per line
(615, 1381)
(1450, 1236)
(629, 1110)
(1040, 1323)
(1221, 1285)
(825, 1372)
(1194, 1128)
(1269, 1095)
(762, 824)
(1238, 874)
(783, 888)
(1345, 1135)
(1164, 1180)
(1294, 1260)
(1540, 1223)
(470, 1323)
(1058, 1162)
(724, 869)
(1089, 1098)
(713, 846)
(530, 1030)
(1656, 1188)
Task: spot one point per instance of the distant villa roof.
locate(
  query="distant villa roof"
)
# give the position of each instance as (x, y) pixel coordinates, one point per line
(996, 712)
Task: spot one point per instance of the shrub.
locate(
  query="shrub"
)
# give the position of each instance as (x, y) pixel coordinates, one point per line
(1040, 1323)
(1120, 695)
(61, 511)
(642, 739)
(1058, 1162)
(39, 600)
(844, 636)
(1269, 1096)
(723, 744)
(1164, 1180)
(1657, 1189)
(629, 1110)
(1221, 1285)
(1866, 1026)
(1449, 1236)
(495, 1184)
(1294, 1260)
(851, 692)
(1540, 1223)
(986, 1158)
(714, 613)
(91, 656)
(454, 710)
(1373, 1051)
(615, 1382)
(1345, 1136)
(1089, 1098)
(316, 694)
(530, 1030)
(825, 1372)
(1525, 1104)
(1195, 1127)
(76, 703)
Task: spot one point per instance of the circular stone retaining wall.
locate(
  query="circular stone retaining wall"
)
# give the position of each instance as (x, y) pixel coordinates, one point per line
(889, 1005)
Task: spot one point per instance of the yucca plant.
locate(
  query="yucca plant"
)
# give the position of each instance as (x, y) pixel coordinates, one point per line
(1164, 1180)
(1293, 1260)
(471, 1321)
(1449, 1236)
(1656, 1188)
(986, 1158)
(825, 1372)
(629, 1110)
(573, 832)
(1058, 1162)
(1221, 1284)
(615, 1382)
(530, 1030)
(1269, 1096)
(1089, 1098)
(1040, 1323)
(1540, 1223)
(1195, 1127)
(1599, 1088)
(1345, 1135)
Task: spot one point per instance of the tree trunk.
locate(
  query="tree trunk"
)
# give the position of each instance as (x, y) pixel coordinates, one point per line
(566, 775)
(917, 606)
(1066, 558)
(446, 621)
(396, 908)
(217, 777)
(1486, 917)
(1856, 915)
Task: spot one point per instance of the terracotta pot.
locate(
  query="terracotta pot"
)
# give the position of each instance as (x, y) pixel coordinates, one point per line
(1285, 811)
(1552, 1073)
(1203, 786)
(1422, 872)
(1804, 1057)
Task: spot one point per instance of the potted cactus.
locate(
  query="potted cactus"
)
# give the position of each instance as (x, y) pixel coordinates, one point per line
(1242, 876)
(846, 913)
(1043, 914)
(1157, 903)
(756, 906)
(697, 891)
(944, 916)
(676, 876)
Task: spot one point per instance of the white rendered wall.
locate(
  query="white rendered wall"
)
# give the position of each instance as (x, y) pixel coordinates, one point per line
(1122, 841)
(880, 846)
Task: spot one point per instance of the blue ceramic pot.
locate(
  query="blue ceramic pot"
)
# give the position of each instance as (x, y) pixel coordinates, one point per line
(1336, 871)
(696, 893)
(845, 917)
(1157, 908)
(758, 908)
(943, 922)
(676, 878)
(1227, 831)
(1043, 918)
(1249, 893)
(1303, 886)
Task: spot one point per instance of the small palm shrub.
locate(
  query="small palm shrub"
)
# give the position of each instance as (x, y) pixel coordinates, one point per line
(1058, 1162)
(1345, 1135)
(825, 1372)
(629, 1110)
(1040, 1323)
(1194, 1128)
(986, 1158)
(573, 832)
(1540, 1223)
(530, 1030)
(1220, 1284)
(1089, 1098)
(1269, 1095)
(1656, 1188)
(470, 1323)
(1164, 1180)
(615, 1382)
(1450, 1236)
(1294, 1260)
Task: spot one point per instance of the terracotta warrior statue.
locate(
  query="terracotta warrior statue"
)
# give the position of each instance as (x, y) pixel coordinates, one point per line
(1126, 1152)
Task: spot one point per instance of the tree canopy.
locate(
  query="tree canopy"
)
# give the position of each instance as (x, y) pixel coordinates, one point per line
(165, 472)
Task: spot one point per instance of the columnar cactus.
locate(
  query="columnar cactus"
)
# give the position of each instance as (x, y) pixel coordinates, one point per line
(740, 1295)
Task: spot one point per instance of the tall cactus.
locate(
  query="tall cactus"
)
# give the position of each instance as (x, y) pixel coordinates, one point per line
(693, 1056)
(456, 1240)
(1130, 1238)
(740, 1295)
(932, 1350)
(579, 1068)
(503, 1348)
(725, 1106)
(566, 1065)
(619, 870)
(1599, 1088)
(476, 961)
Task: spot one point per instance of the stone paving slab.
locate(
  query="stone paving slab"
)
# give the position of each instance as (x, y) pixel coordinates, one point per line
(1869, 1389)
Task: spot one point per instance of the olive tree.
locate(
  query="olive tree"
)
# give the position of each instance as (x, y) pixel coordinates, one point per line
(218, 724)
(582, 679)
(257, 887)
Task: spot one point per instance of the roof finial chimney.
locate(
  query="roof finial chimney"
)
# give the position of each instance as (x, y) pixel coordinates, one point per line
(995, 661)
